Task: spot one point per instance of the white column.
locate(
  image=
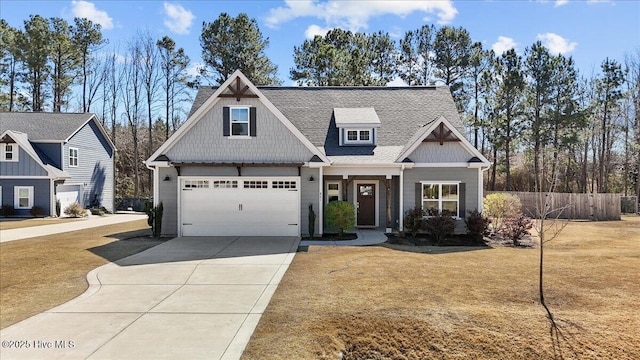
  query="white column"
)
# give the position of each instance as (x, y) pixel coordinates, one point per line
(320, 202)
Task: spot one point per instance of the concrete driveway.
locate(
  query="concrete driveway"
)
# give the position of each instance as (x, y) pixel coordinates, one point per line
(189, 298)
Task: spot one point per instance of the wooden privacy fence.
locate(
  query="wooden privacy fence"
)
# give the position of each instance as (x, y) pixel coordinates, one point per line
(596, 207)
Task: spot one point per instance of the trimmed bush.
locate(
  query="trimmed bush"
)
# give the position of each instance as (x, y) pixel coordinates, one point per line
(36, 211)
(154, 217)
(97, 211)
(516, 228)
(8, 210)
(414, 220)
(440, 226)
(499, 206)
(58, 208)
(340, 215)
(312, 221)
(477, 226)
(75, 210)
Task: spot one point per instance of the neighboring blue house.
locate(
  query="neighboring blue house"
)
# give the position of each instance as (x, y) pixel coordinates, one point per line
(251, 160)
(46, 157)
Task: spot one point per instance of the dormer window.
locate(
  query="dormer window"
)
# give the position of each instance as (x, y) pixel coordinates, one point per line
(357, 126)
(357, 136)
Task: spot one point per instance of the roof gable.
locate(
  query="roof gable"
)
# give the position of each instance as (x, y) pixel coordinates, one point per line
(440, 131)
(237, 86)
(22, 141)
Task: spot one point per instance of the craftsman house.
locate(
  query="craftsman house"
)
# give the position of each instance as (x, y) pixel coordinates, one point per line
(250, 160)
(49, 157)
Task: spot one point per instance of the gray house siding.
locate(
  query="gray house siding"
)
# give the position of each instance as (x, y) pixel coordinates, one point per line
(467, 176)
(448, 152)
(25, 166)
(95, 165)
(41, 193)
(53, 151)
(273, 141)
(168, 195)
(310, 195)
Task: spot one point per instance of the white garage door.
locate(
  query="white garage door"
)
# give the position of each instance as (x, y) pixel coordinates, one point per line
(67, 195)
(240, 206)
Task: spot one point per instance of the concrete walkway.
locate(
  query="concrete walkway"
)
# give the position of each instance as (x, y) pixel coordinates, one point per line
(189, 298)
(87, 223)
(365, 237)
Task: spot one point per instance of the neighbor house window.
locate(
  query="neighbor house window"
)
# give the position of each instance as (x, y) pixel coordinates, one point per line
(9, 152)
(438, 197)
(239, 121)
(334, 192)
(23, 197)
(354, 136)
(73, 157)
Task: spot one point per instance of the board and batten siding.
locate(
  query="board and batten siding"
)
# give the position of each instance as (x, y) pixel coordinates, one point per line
(95, 165)
(41, 193)
(25, 166)
(273, 141)
(433, 152)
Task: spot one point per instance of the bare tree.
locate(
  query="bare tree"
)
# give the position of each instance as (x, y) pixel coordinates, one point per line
(133, 83)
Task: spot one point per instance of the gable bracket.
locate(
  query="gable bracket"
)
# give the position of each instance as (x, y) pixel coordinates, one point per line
(441, 136)
(237, 92)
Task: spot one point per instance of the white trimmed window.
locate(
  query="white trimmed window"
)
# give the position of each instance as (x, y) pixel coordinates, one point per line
(442, 196)
(239, 119)
(358, 136)
(23, 197)
(334, 191)
(73, 157)
(9, 152)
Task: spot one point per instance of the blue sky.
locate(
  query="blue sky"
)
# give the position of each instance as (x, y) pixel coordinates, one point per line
(589, 31)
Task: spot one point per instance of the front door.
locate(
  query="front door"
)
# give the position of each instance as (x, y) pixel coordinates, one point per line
(366, 198)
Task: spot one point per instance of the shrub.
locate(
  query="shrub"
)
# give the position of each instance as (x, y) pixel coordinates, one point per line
(340, 215)
(8, 210)
(477, 226)
(499, 206)
(154, 217)
(440, 226)
(414, 220)
(97, 211)
(75, 210)
(516, 228)
(36, 211)
(58, 208)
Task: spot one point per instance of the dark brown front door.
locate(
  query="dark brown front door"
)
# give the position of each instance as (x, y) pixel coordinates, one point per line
(366, 198)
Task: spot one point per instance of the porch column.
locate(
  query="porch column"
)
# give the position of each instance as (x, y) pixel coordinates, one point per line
(388, 185)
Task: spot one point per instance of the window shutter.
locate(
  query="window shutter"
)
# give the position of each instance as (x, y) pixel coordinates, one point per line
(252, 121)
(418, 195)
(462, 211)
(225, 122)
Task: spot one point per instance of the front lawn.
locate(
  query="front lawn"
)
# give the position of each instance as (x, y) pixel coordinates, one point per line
(17, 223)
(460, 303)
(40, 273)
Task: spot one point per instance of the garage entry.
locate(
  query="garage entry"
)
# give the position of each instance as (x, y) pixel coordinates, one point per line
(67, 195)
(239, 206)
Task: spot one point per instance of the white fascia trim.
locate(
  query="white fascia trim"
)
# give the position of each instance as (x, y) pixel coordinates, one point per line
(467, 145)
(214, 98)
(375, 165)
(443, 165)
(316, 165)
(157, 164)
(24, 177)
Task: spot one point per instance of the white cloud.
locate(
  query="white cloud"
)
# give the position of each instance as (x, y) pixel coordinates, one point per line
(560, 3)
(85, 9)
(195, 69)
(314, 30)
(355, 15)
(503, 44)
(178, 19)
(556, 43)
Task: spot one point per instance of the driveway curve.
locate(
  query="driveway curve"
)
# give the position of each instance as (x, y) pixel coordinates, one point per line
(188, 298)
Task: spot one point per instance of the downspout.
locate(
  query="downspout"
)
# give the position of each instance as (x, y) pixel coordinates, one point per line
(401, 214)
(52, 197)
(320, 202)
(481, 170)
(156, 191)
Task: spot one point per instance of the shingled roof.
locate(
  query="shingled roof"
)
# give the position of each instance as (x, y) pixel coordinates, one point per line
(40, 126)
(403, 111)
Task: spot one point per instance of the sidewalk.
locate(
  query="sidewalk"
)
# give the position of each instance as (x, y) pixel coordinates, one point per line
(365, 237)
(90, 222)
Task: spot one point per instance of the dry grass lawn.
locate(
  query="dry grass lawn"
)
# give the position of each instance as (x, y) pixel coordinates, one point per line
(8, 224)
(40, 273)
(380, 303)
